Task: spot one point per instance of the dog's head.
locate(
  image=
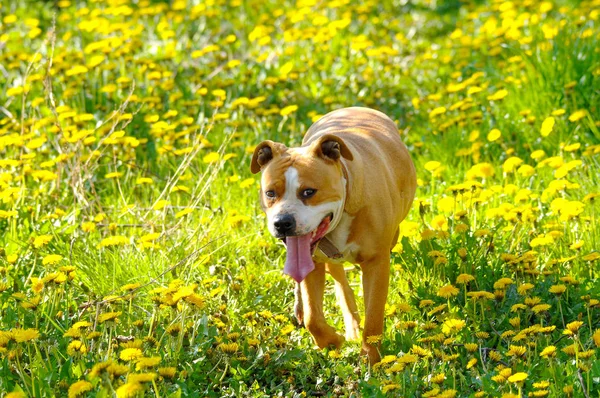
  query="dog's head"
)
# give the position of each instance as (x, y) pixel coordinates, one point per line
(302, 189)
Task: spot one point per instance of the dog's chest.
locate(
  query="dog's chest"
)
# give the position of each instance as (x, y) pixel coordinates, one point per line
(339, 238)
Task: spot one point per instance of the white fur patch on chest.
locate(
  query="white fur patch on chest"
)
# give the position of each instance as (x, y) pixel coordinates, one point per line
(339, 238)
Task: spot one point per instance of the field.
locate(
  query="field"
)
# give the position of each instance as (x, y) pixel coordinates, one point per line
(135, 259)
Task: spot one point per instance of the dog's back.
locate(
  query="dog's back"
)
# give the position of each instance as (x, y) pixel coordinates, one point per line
(380, 156)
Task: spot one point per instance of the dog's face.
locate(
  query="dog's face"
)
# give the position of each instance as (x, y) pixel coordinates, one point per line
(302, 189)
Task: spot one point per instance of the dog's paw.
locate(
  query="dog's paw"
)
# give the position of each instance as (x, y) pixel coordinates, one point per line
(324, 335)
(372, 352)
(333, 340)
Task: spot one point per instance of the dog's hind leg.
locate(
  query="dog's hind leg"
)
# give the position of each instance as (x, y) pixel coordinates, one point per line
(313, 287)
(376, 279)
(345, 297)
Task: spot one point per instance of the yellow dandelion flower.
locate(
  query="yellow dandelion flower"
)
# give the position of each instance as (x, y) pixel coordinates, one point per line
(494, 135)
(549, 351)
(129, 390)
(76, 347)
(448, 291)
(547, 126)
(577, 115)
(516, 351)
(432, 165)
(517, 377)
(498, 95)
(212, 157)
(113, 241)
(452, 326)
(426, 303)
(130, 354)
(141, 377)
(438, 378)
(572, 327)
(557, 289)
(524, 288)
(108, 316)
(472, 362)
(51, 259)
(115, 174)
(229, 348)
(41, 240)
(24, 335)
(374, 339)
(168, 372)
(390, 387)
(288, 110)
(463, 279)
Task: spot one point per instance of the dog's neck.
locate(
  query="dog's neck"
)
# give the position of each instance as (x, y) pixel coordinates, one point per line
(337, 217)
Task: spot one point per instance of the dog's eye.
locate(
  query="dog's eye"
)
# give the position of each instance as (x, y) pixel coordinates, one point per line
(308, 193)
(270, 194)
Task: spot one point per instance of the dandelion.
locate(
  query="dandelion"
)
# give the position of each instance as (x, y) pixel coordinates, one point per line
(130, 354)
(557, 289)
(493, 135)
(547, 126)
(113, 241)
(52, 259)
(524, 288)
(108, 316)
(463, 279)
(498, 95)
(144, 363)
(517, 377)
(452, 326)
(129, 390)
(212, 157)
(390, 387)
(230, 348)
(168, 372)
(374, 339)
(472, 362)
(24, 335)
(141, 377)
(572, 328)
(548, 352)
(516, 351)
(76, 347)
(42, 240)
(575, 116)
(448, 291)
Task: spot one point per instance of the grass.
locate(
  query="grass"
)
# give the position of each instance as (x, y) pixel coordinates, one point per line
(135, 258)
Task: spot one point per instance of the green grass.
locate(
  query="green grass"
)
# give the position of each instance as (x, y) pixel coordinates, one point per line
(172, 286)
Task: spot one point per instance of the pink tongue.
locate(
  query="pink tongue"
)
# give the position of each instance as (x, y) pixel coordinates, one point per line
(298, 261)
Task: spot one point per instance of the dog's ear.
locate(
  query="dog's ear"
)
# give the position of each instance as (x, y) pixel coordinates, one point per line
(331, 147)
(264, 153)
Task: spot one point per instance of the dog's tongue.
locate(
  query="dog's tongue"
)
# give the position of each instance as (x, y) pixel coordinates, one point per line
(298, 261)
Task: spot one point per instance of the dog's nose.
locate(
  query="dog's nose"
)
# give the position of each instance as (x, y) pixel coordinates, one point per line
(285, 224)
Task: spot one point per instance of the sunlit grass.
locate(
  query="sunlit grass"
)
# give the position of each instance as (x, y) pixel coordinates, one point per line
(136, 261)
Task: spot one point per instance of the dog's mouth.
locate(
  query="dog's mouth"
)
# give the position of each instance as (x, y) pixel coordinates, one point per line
(317, 234)
(298, 262)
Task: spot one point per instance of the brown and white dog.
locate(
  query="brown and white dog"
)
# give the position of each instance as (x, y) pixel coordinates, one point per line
(340, 197)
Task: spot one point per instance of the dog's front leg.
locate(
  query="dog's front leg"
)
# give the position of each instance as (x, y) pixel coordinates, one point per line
(376, 279)
(298, 306)
(345, 297)
(313, 287)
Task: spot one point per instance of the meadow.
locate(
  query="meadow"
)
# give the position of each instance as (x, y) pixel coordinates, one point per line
(135, 259)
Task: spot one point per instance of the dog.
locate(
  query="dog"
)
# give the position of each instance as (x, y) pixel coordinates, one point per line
(340, 197)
